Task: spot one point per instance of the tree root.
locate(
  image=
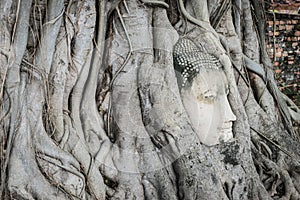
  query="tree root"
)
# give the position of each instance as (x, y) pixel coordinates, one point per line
(202, 24)
(117, 73)
(276, 178)
(155, 3)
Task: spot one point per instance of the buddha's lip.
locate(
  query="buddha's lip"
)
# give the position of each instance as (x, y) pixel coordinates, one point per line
(226, 129)
(227, 125)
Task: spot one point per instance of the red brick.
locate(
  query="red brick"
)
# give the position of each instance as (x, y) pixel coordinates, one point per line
(276, 33)
(290, 62)
(297, 33)
(278, 54)
(277, 71)
(294, 44)
(288, 22)
(289, 27)
(294, 39)
(279, 50)
(276, 64)
(294, 21)
(281, 27)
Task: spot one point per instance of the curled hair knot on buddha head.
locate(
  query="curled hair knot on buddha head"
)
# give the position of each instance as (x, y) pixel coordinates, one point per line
(190, 58)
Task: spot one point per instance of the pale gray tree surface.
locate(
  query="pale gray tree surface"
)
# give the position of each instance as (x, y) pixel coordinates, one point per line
(91, 102)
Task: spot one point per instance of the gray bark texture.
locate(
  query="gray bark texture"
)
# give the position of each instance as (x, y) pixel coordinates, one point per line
(90, 103)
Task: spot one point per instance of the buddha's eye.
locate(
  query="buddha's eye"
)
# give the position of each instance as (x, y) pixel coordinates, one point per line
(209, 97)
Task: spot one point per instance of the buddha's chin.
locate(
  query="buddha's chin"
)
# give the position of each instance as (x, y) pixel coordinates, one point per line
(226, 134)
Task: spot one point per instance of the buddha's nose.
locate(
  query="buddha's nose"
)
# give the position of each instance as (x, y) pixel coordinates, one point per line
(229, 115)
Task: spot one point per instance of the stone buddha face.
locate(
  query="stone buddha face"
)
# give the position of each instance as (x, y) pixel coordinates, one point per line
(206, 103)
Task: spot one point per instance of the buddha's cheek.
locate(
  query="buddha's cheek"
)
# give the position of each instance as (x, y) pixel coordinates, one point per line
(207, 122)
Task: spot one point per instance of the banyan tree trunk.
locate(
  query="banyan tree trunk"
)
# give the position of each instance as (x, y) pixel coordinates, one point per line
(91, 107)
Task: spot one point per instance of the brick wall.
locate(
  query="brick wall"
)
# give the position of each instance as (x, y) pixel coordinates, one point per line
(283, 35)
(284, 1)
(284, 5)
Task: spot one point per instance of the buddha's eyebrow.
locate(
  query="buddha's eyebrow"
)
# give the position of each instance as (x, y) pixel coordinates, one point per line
(209, 91)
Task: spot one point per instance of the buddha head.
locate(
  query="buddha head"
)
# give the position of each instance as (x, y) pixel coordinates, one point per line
(204, 90)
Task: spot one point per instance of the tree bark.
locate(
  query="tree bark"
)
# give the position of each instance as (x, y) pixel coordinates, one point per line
(91, 105)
